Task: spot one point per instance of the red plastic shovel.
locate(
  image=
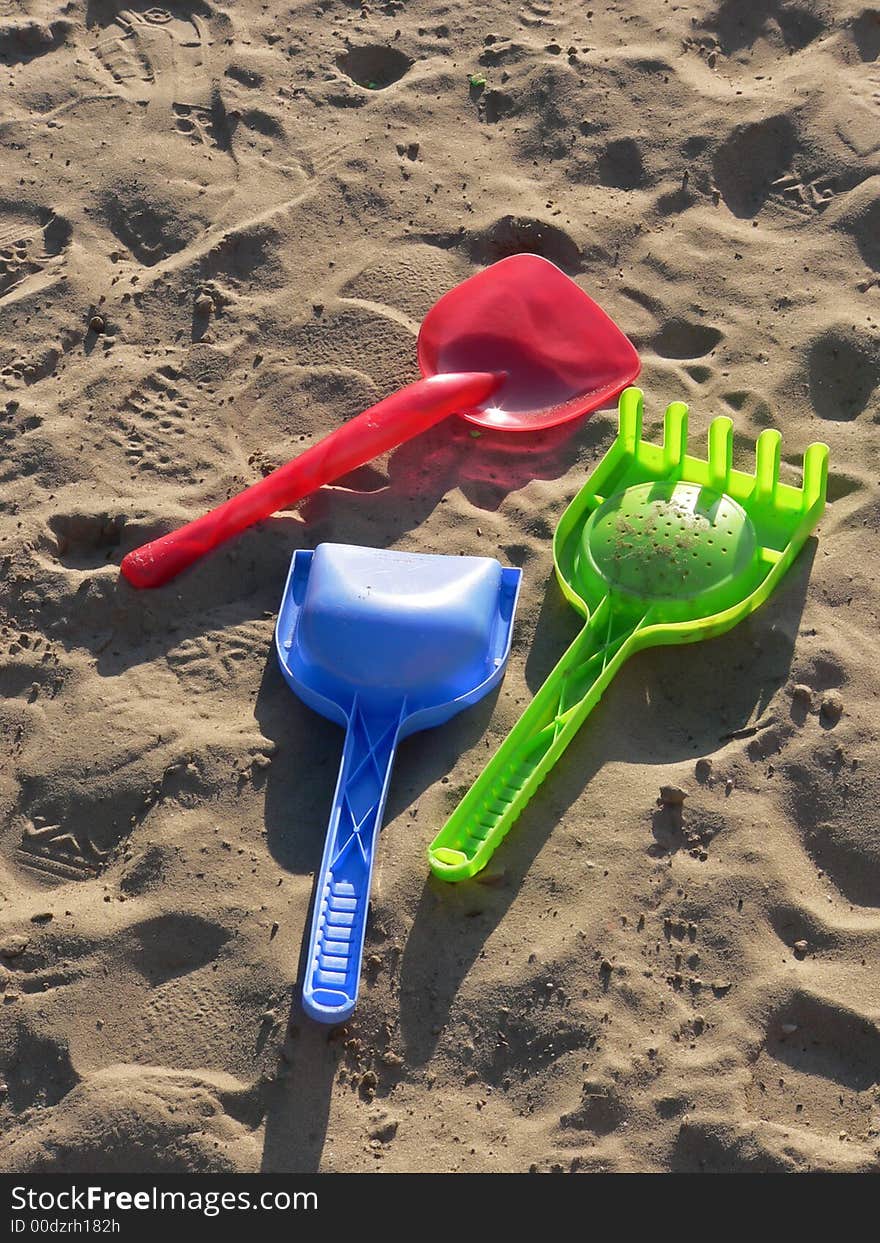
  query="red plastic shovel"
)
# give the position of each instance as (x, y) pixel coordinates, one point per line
(519, 347)
(377, 430)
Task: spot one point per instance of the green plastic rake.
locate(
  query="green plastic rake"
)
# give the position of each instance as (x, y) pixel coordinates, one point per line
(657, 547)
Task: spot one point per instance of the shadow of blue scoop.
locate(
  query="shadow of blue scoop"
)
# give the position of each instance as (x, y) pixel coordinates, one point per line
(385, 643)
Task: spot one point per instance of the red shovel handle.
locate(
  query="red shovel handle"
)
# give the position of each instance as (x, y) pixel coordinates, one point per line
(397, 418)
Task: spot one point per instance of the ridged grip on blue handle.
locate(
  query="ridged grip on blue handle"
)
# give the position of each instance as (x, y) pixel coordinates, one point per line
(342, 894)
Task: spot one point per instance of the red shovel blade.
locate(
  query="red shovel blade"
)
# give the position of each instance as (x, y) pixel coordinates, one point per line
(563, 355)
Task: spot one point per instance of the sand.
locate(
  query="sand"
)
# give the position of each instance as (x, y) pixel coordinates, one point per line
(259, 202)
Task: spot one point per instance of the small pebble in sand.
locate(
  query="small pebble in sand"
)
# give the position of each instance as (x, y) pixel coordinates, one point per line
(802, 694)
(703, 770)
(832, 708)
(204, 304)
(97, 323)
(789, 1029)
(672, 796)
(800, 948)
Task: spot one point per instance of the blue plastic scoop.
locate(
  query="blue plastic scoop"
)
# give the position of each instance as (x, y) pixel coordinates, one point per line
(385, 643)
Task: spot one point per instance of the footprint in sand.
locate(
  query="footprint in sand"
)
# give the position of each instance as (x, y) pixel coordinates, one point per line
(78, 804)
(750, 160)
(32, 242)
(535, 13)
(57, 851)
(211, 662)
(819, 1057)
(146, 1119)
(145, 47)
(25, 36)
(197, 124)
(154, 427)
(763, 30)
(719, 1143)
(833, 804)
(151, 221)
(159, 56)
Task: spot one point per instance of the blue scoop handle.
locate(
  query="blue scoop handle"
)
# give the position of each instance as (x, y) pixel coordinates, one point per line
(342, 894)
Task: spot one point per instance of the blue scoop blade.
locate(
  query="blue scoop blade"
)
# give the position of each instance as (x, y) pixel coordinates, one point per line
(385, 643)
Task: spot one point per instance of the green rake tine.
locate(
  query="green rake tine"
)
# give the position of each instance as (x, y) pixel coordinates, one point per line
(630, 419)
(720, 452)
(767, 464)
(675, 433)
(815, 474)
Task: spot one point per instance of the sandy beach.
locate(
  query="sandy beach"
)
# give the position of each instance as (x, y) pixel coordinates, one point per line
(220, 228)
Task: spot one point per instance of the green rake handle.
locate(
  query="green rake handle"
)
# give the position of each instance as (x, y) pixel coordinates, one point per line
(487, 812)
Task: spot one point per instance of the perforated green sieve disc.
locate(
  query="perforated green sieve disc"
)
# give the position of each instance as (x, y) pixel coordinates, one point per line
(668, 541)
